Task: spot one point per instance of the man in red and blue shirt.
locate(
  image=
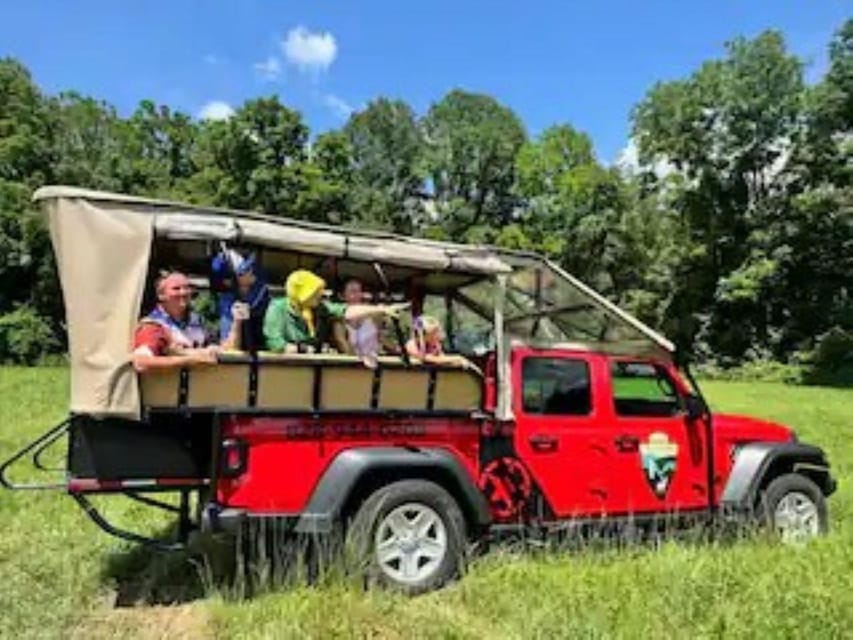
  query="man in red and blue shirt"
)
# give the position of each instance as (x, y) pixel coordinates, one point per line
(172, 335)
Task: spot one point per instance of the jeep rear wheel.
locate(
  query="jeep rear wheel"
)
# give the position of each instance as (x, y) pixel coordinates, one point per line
(409, 535)
(794, 507)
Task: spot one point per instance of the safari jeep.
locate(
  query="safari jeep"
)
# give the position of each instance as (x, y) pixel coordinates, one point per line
(566, 411)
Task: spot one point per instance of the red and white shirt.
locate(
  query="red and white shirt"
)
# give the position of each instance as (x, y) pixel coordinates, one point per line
(158, 334)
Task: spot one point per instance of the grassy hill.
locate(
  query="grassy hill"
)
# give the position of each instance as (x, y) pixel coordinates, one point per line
(63, 577)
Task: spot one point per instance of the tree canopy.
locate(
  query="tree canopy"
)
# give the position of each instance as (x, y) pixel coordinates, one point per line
(733, 232)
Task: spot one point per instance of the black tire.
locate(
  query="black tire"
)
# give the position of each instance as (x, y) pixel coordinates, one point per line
(792, 486)
(403, 499)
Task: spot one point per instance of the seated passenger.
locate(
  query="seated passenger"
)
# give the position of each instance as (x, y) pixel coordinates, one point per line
(172, 335)
(250, 288)
(425, 343)
(362, 335)
(302, 318)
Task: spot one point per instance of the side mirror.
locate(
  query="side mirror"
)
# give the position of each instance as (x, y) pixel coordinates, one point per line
(695, 407)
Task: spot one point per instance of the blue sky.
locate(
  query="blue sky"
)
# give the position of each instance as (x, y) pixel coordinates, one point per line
(586, 63)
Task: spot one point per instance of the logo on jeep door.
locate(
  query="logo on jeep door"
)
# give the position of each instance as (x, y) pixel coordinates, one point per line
(507, 486)
(658, 456)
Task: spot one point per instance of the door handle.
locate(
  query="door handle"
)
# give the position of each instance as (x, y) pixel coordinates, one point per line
(544, 443)
(627, 443)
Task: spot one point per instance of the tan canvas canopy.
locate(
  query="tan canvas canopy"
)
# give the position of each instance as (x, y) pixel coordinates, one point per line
(104, 245)
(176, 221)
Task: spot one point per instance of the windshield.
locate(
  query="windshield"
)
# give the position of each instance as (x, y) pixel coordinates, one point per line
(543, 307)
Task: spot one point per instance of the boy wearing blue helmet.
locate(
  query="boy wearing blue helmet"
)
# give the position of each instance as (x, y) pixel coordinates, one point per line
(235, 279)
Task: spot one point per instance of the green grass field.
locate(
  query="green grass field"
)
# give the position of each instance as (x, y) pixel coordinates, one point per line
(63, 577)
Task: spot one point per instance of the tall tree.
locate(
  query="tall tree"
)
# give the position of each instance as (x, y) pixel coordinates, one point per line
(570, 200)
(29, 290)
(387, 151)
(88, 149)
(253, 160)
(472, 141)
(158, 144)
(594, 221)
(727, 131)
(813, 292)
(326, 179)
(25, 126)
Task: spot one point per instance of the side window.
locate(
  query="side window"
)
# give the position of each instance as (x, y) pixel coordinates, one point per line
(556, 386)
(643, 389)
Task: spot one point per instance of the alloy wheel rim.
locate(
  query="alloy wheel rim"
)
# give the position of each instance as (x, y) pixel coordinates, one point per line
(411, 542)
(796, 518)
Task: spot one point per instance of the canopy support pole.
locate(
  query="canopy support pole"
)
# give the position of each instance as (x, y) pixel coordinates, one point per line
(503, 407)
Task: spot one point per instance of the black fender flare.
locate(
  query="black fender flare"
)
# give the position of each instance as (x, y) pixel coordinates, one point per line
(353, 466)
(756, 459)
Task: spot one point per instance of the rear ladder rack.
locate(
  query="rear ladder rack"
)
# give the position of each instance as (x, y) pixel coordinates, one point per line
(37, 447)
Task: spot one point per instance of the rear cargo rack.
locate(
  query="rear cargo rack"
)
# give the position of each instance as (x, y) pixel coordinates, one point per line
(37, 447)
(77, 488)
(184, 523)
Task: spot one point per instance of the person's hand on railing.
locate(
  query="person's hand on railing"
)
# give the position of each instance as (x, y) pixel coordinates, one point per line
(451, 360)
(204, 356)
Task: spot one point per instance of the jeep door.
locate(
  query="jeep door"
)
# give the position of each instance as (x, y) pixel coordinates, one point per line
(661, 456)
(559, 435)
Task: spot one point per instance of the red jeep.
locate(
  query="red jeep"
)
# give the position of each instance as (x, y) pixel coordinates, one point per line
(568, 412)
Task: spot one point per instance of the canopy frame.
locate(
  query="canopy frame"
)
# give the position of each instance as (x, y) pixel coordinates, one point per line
(105, 242)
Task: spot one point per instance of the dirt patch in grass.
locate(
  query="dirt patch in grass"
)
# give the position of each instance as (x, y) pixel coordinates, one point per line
(177, 622)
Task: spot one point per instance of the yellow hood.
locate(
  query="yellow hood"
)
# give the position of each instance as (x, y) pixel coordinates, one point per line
(300, 287)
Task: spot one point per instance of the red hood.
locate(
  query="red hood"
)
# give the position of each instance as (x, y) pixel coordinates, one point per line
(736, 427)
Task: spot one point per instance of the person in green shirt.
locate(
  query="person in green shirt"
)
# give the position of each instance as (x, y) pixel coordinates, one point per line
(301, 316)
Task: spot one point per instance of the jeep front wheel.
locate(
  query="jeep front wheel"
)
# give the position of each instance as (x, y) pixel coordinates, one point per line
(795, 508)
(409, 535)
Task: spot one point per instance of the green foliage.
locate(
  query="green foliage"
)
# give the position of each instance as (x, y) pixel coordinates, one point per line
(387, 174)
(87, 143)
(471, 145)
(25, 337)
(157, 148)
(595, 222)
(766, 265)
(835, 347)
(254, 160)
(204, 304)
(27, 274)
(544, 164)
(755, 371)
(831, 361)
(734, 236)
(25, 124)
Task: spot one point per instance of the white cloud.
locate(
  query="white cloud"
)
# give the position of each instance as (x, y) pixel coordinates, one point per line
(628, 162)
(309, 51)
(339, 106)
(269, 69)
(216, 110)
(628, 159)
